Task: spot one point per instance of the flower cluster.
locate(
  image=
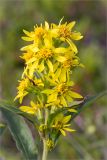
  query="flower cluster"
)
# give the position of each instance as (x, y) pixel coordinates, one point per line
(50, 59)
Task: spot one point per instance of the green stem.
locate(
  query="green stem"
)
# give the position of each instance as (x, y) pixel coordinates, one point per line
(45, 150)
(46, 116)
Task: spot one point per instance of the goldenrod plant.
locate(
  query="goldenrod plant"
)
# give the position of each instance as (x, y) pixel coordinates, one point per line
(50, 58)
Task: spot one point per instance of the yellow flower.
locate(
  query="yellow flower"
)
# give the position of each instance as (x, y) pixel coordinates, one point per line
(22, 89)
(38, 34)
(61, 94)
(72, 60)
(45, 55)
(62, 124)
(65, 33)
(31, 110)
(27, 56)
(50, 144)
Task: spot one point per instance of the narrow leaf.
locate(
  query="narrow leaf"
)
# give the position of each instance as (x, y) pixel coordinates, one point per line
(21, 134)
(87, 102)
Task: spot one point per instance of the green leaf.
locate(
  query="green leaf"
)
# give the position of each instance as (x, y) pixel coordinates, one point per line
(86, 103)
(21, 134)
(2, 128)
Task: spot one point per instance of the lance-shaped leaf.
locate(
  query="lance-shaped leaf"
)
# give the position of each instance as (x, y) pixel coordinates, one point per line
(21, 134)
(86, 103)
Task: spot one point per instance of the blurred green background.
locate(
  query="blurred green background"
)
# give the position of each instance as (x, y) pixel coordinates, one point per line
(90, 140)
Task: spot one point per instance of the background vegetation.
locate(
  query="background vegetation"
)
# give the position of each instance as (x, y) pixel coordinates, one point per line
(89, 142)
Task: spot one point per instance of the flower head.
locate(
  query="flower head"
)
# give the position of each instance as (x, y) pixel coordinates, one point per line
(33, 109)
(61, 95)
(65, 33)
(22, 89)
(62, 124)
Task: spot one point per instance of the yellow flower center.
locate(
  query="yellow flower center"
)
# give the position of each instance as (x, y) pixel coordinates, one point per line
(70, 62)
(62, 88)
(67, 63)
(27, 56)
(59, 126)
(64, 32)
(45, 53)
(39, 32)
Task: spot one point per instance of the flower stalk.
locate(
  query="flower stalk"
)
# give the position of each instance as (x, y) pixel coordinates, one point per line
(44, 139)
(45, 150)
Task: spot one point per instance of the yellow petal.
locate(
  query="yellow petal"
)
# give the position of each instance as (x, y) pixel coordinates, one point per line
(27, 33)
(48, 42)
(66, 119)
(63, 132)
(48, 91)
(76, 35)
(63, 101)
(60, 50)
(54, 33)
(69, 129)
(27, 109)
(55, 66)
(20, 96)
(57, 73)
(73, 46)
(46, 25)
(24, 48)
(52, 97)
(35, 49)
(70, 83)
(50, 65)
(67, 125)
(75, 95)
(69, 99)
(60, 58)
(63, 75)
(72, 110)
(33, 105)
(82, 65)
(71, 25)
(32, 68)
(31, 60)
(41, 66)
(27, 38)
(21, 99)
